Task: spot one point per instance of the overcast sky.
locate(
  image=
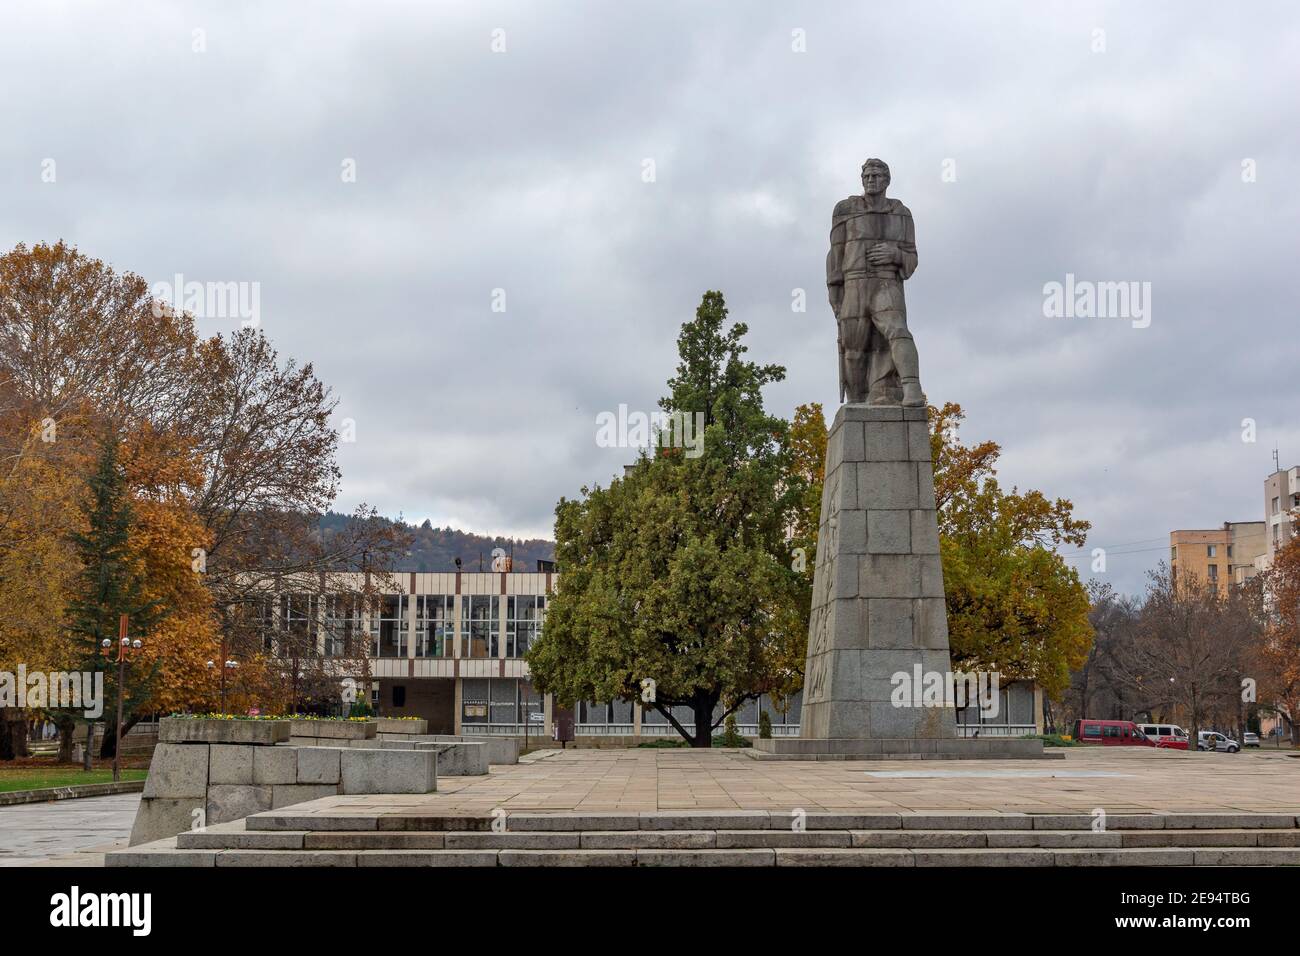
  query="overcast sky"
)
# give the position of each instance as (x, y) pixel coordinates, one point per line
(1116, 142)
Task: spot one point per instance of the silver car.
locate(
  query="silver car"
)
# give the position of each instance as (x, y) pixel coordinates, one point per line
(1213, 740)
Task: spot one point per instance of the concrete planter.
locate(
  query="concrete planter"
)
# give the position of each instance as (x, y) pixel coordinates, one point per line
(334, 729)
(196, 784)
(202, 730)
(401, 725)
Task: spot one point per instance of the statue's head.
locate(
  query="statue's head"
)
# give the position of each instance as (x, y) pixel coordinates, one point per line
(875, 177)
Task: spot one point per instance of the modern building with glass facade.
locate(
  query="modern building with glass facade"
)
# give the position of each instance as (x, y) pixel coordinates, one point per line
(449, 647)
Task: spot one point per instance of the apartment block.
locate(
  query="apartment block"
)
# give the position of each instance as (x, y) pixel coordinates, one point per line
(1281, 498)
(1223, 556)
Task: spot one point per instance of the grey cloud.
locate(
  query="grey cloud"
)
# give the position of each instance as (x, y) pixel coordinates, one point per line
(522, 171)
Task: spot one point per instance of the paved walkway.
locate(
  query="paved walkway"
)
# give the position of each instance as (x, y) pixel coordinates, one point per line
(1130, 781)
(65, 831)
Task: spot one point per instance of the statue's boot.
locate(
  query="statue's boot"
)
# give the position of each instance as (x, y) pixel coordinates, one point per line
(912, 394)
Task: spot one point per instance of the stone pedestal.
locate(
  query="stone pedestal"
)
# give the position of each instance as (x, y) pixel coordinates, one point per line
(878, 605)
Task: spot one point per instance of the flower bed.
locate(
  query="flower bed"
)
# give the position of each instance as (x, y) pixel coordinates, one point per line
(325, 728)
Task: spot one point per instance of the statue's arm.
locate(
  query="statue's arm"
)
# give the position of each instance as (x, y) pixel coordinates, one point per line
(907, 250)
(835, 263)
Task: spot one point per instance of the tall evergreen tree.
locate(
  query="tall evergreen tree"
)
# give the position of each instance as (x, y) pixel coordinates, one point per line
(108, 584)
(680, 572)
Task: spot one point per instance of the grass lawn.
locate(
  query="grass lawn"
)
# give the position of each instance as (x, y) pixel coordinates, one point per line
(58, 775)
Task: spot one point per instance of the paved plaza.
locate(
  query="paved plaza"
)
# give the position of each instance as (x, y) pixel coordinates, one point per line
(65, 832)
(1132, 781)
(76, 832)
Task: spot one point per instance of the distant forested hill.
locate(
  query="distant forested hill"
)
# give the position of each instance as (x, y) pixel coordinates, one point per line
(436, 549)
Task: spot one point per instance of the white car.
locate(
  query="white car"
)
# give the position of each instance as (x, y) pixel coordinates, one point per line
(1213, 740)
(1250, 739)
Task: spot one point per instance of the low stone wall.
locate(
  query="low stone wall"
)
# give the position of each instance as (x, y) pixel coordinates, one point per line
(462, 758)
(332, 733)
(48, 794)
(500, 750)
(402, 725)
(197, 781)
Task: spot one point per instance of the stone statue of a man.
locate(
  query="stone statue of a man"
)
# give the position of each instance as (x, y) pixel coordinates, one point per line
(873, 249)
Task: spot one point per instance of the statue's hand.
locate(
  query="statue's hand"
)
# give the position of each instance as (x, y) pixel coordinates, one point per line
(883, 254)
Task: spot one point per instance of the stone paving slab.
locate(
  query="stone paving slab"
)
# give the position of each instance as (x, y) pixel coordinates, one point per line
(1151, 789)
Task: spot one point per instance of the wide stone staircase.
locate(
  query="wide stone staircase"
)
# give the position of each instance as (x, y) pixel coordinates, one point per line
(307, 836)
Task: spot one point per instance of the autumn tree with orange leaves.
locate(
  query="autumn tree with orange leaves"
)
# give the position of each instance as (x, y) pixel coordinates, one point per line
(227, 452)
(1278, 655)
(1014, 605)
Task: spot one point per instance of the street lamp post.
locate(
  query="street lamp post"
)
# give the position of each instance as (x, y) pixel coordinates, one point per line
(123, 646)
(227, 666)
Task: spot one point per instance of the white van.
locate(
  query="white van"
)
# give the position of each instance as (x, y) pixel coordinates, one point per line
(1169, 736)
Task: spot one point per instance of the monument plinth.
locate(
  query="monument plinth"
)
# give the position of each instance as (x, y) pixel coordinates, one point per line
(879, 623)
(877, 606)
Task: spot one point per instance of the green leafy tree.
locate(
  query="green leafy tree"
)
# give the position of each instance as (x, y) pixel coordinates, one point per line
(680, 572)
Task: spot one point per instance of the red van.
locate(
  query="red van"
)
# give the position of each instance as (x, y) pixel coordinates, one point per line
(1111, 733)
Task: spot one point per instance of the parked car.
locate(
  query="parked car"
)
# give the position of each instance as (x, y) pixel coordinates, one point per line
(1110, 733)
(1250, 740)
(1213, 740)
(1166, 736)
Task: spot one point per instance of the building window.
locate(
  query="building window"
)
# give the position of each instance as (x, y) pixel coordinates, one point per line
(1211, 551)
(500, 701)
(342, 625)
(1229, 551)
(504, 701)
(389, 631)
(1173, 553)
(532, 706)
(435, 625)
(474, 700)
(480, 628)
(524, 613)
(266, 611)
(1214, 573)
(297, 626)
(1277, 505)
(399, 695)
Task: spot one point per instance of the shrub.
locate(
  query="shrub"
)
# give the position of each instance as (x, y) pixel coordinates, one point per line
(764, 726)
(731, 734)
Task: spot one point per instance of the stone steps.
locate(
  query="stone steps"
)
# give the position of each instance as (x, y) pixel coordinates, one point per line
(310, 817)
(165, 853)
(736, 838)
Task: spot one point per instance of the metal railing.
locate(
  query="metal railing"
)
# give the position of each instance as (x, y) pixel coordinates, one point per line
(996, 730)
(504, 730)
(668, 730)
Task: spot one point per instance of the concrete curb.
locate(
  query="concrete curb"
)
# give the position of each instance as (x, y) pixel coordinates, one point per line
(47, 794)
